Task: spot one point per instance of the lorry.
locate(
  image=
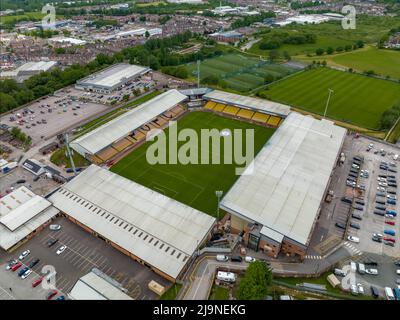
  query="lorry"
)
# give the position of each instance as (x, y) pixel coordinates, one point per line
(7, 168)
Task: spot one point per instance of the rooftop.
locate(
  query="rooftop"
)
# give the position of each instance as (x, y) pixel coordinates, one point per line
(291, 173)
(113, 75)
(157, 229)
(248, 102)
(103, 136)
(22, 212)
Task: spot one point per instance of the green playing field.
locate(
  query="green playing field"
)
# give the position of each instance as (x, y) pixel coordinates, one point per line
(356, 99)
(192, 184)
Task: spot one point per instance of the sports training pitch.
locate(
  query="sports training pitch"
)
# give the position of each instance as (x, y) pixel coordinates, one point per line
(241, 73)
(192, 184)
(357, 99)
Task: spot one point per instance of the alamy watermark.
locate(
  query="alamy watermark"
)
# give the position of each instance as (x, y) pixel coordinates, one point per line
(188, 147)
(349, 20)
(49, 20)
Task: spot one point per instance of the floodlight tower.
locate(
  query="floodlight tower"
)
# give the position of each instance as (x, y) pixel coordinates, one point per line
(327, 101)
(198, 73)
(69, 153)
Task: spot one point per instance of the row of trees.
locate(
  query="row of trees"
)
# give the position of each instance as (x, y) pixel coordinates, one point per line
(330, 50)
(254, 285)
(276, 41)
(390, 116)
(246, 21)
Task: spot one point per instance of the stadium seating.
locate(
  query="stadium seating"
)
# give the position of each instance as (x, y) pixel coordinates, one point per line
(246, 114)
(122, 144)
(139, 135)
(95, 159)
(231, 110)
(131, 139)
(260, 117)
(107, 153)
(210, 105)
(160, 121)
(274, 121)
(177, 110)
(219, 107)
(168, 115)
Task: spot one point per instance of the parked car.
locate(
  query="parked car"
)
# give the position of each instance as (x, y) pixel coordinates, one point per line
(375, 292)
(373, 272)
(51, 242)
(24, 254)
(392, 223)
(360, 288)
(37, 281)
(389, 239)
(16, 266)
(249, 259)
(55, 227)
(355, 225)
(34, 263)
(51, 294)
(222, 258)
(22, 271)
(26, 274)
(340, 225)
(61, 249)
(236, 259)
(390, 232)
(11, 263)
(353, 239)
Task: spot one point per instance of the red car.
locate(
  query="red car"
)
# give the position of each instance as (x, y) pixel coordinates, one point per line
(392, 223)
(36, 282)
(51, 294)
(390, 239)
(16, 266)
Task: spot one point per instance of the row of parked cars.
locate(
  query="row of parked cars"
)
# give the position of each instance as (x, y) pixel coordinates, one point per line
(24, 271)
(385, 202)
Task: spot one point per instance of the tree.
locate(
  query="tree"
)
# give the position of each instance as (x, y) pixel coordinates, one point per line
(147, 34)
(269, 78)
(287, 56)
(319, 52)
(273, 55)
(254, 284)
(329, 50)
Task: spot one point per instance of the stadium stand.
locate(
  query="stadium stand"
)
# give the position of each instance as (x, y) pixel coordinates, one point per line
(246, 114)
(107, 153)
(274, 121)
(231, 110)
(210, 105)
(122, 144)
(219, 107)
(260, 117)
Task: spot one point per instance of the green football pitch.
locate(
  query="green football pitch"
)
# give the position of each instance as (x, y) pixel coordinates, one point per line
(192, 184)
(357, 99)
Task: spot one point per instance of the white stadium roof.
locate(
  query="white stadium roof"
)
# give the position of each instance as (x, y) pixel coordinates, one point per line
(153, 227)
(113, 75)
(22, 212)
(103, 136)
(290, 177)
(93, 287)
(249, 102)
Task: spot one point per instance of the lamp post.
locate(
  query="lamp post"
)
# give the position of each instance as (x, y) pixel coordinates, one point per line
(219, 194)
(327, 102)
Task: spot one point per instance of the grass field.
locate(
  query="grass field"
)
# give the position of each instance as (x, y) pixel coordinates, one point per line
(192, 184)
(357, 99)
(219, 293)
(383, 62)
(240, 72)
(331, 34)
(28, 16)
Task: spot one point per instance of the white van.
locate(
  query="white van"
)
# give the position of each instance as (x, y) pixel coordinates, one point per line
(226, 276)
(353, 266)
(222, 258)
(361, 268)
(389, 293)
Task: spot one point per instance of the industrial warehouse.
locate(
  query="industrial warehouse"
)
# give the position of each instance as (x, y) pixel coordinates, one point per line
(22, 214)
(111, 78)
(151, 228)
(278, 204)
(129, 129)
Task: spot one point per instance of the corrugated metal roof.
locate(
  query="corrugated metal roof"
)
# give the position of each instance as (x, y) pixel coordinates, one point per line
(249, 102)
(103, 136)
(113, 75)
(25, 212)
(153, 227)
(93, 287)
(27, 218)
(290, 176)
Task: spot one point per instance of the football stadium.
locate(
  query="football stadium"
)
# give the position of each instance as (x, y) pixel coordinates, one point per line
(161, 214)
